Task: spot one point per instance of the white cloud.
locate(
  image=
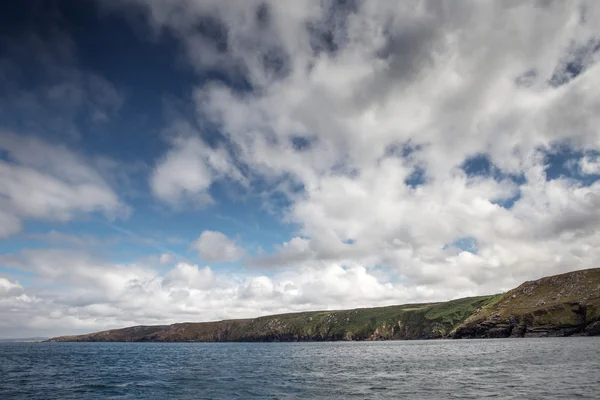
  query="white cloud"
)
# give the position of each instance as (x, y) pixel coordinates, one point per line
(9, 224)
(186, 276)
(44, 181)
(590, 165)
(362, 86)
(109, 295)
(105, 295)
(181, 173)
(166, 258)
(216, 247)
(8, 288)
(187, 171)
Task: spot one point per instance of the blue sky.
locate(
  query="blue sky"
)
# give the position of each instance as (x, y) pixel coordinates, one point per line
(198, 160)
(152, 81)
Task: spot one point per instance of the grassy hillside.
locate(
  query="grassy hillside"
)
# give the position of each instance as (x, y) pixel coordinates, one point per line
(412, 321)
(560, 305)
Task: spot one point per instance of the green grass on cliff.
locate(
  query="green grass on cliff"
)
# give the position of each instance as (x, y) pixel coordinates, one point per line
(570, 300)
(411, 321)
(459, 310)
(394, 322)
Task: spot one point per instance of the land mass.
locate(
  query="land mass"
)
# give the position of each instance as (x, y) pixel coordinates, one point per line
(560, 305)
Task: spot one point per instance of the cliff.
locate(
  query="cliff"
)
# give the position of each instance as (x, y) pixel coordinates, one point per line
(562, 305)
(412, 321)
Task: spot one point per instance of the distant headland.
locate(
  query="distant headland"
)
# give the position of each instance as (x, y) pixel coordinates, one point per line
(560, 305)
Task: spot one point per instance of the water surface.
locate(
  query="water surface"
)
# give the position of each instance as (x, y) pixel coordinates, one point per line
(556, 368)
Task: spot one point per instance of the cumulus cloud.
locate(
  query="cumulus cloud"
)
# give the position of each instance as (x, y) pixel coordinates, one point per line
(8, 288)
(107, 295)
(182, 172)
(590, 165)
(166, 258)
(186, 276)
(216, 247)
(39, 180)
(187, 171)
(365, 114)
(110, 295)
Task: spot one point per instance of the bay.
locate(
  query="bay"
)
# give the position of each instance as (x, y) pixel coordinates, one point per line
(556, 368)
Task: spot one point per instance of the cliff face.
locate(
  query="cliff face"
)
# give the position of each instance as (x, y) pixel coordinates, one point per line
(412, 321)
(561, 305)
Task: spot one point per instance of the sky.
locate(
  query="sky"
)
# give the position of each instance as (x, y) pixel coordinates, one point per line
(199, 160)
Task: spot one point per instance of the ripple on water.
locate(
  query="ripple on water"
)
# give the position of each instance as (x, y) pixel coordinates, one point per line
(533, 368)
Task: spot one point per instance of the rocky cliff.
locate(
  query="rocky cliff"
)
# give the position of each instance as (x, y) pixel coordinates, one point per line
(561, 305)
(412, 321)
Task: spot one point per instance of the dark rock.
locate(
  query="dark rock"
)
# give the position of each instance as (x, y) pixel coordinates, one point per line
(593, 329)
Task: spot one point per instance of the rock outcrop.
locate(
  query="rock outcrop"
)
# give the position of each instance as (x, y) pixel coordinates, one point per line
(561, 305)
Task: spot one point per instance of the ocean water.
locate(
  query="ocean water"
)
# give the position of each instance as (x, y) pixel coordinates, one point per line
(553, 368)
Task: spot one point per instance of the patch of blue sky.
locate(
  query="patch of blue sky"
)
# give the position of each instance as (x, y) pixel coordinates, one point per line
(574, 63)
(466, 243)
(302, 143)
(416, 178)
(407, 150)
(404, 149)
(481, 165)
(22, 276)
(563, 162)
(155, 229)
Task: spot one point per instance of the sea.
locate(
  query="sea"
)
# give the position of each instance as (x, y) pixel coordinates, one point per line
(548, 368)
